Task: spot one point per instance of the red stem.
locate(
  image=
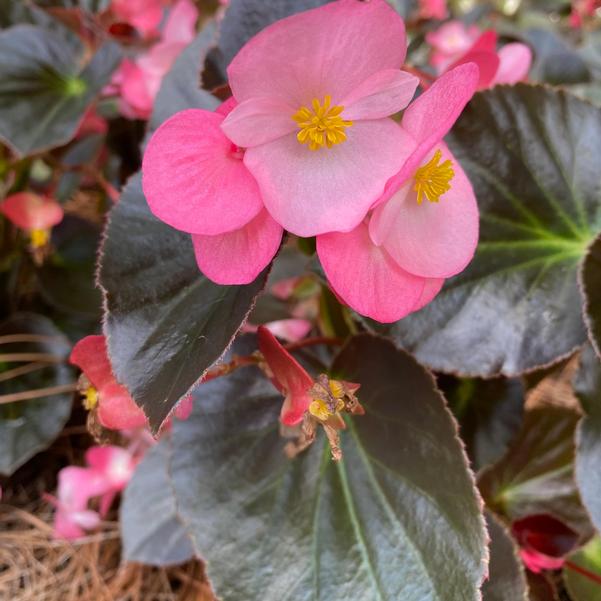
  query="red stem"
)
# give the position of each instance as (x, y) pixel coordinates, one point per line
(583, 572)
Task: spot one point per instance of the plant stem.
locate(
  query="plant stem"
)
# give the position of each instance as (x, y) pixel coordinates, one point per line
(45, 357)
(37, 393)
(583, 572)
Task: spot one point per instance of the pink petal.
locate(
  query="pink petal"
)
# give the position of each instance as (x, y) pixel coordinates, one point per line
(365, 276)
(77, 485)
(432, 287)
(193, 178)
(184, 408)
(115, 464)
(429, 118)
(328, 50)
(144, 15)
(290, 330)
(450, 41)
(487, 63)
(380, 95)
(181, 23)
(515, 60)
(431, 239)
(238, 257)
(259, 120)
(432, 9)
(65, 527)
(117, 410)
(136, 89)
(288, 376)
(312, 192)
(90, 354)
(227, 106)
(31, 212)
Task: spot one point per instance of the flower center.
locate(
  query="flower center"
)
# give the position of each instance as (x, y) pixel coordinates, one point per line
(321, 125)
(432, 180)
(90, 398)
(322, 410)
(39, 238)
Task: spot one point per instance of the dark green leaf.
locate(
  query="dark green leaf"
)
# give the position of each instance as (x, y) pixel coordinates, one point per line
(590, 279)
(27, 427)
(67, 279)
(489, 413)
(537, 473)
(531, 154)
(555, 61)
(587, 386)
(151, 529)
(397, 518)
(506, 577)
(245, 18)
(582, 573)
(166, 323)
(180, 89)
(46, 87)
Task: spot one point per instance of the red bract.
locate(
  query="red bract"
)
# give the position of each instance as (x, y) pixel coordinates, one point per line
(544, 541)
(289, 377)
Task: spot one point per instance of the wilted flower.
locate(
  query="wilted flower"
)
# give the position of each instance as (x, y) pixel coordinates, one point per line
(425, 226)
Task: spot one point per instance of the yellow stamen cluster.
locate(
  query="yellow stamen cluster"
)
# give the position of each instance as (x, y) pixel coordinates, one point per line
(321, 125)
(90, 398)
(39, 238)
(322, 410)
(432, 180)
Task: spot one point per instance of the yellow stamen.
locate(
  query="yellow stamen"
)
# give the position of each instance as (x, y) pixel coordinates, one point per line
(322, 411)
(39, 238)
(432, 180)
(90, 399)
(337, 389)
(321, 125)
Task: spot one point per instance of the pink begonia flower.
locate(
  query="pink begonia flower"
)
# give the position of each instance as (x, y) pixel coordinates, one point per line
(33, 213)
(76, 486)
(544, 542)
(313, 112)
(289, 377)
(449, 42)
(139, 80)
(290, 330)
(195, 180)
(116, 409)
(508, 65)
(144, 15)
(424, 228)
(433, 9)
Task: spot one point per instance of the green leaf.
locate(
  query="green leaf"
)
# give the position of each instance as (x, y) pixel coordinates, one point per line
(582, 572)
(166, 323)
(245, 18)
(531, 154)
(180, 88)
(397, 518)
(537, 473)
(590, 279)
(151, 529)
(67, 278)
(29, 426)
(489, 413)
(506, 578)
(587, 386)
(46, 85)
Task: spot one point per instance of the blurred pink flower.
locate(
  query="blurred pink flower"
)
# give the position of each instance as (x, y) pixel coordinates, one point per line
(454, 44)
(544, 542)
(139, 80)
(34, 214)
(314, 104)
(433, 9)
(144, 15)
(582, 9)
(288, 376)
(425, 226)
(195, 180)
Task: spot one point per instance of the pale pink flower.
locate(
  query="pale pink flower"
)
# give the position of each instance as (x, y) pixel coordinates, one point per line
(449, 42)
(34, 214)
(433, 9)
(139, 80)
(144, 15)
(195, 180)
(424, 228)
(314, 108)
